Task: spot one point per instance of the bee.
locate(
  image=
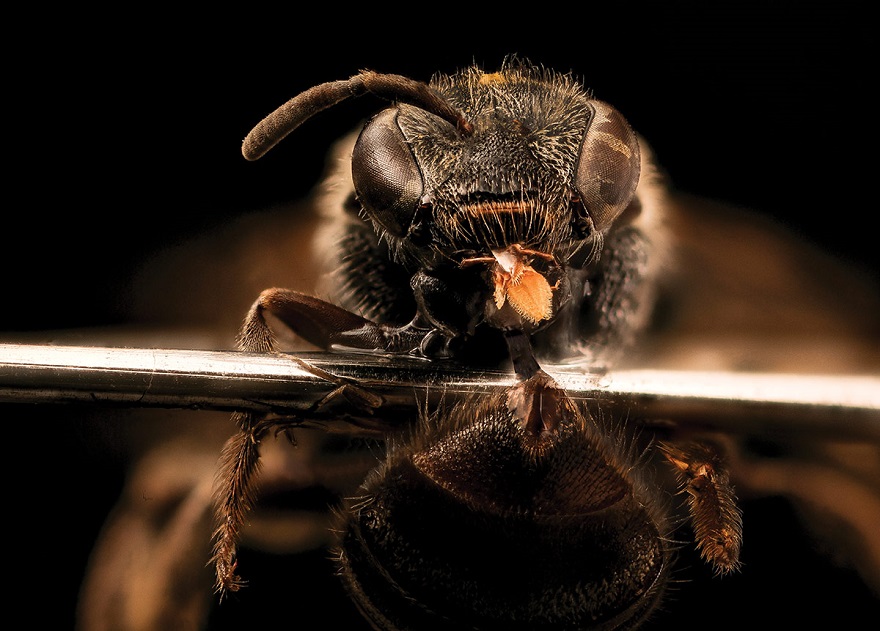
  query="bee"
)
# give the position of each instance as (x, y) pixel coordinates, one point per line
(515, 184)
(491, 217)
(527, 503)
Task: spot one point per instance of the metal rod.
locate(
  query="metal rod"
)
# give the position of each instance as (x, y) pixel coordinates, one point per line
(844, 406)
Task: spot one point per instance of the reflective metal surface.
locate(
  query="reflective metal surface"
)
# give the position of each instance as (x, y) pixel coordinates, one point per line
(843, 405)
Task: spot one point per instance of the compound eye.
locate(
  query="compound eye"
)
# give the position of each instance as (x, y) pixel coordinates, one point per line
(386, 176)
(607, 172)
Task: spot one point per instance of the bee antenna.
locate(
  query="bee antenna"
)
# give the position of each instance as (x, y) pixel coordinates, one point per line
(277, 125)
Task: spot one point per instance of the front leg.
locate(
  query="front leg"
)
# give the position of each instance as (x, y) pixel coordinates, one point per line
(450, 304)
(322, 324)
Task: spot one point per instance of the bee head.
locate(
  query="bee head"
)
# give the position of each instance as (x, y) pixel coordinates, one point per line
(480, 161)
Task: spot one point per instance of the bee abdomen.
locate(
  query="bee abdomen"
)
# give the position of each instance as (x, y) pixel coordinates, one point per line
(440, 546)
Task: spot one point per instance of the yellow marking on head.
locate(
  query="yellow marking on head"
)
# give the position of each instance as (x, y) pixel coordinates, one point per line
(492, 77)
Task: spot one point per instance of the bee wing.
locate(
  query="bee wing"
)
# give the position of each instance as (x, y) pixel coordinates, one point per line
(744, 293)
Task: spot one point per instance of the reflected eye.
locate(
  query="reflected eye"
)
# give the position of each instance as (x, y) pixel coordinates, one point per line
(608, 166)
(386, 176)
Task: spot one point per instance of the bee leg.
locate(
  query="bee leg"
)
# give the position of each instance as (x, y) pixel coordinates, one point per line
(347, 390)
(714, 512)
(233, 497)
(318, 322)
(322, 324)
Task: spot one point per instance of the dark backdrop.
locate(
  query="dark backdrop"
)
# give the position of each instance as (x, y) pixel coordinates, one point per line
(123, 136)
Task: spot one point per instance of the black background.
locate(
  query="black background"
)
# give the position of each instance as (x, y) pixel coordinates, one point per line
(123, 136)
